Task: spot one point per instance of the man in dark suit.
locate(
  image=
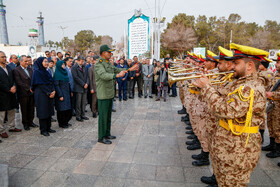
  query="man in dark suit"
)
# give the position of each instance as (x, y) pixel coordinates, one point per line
(92, 87)
(23, 77)
(14, 62)
(8, 98)
(81, 82)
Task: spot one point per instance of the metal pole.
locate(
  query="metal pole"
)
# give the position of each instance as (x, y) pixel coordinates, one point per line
(230, 36)
(158, 40)
(152, 39)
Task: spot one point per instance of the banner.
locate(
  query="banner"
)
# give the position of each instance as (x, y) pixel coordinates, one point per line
(138, 35)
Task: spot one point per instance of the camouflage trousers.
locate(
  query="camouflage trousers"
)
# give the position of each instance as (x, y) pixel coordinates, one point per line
(181, 94)
(234, 162)
(273, 122)
(201, 126)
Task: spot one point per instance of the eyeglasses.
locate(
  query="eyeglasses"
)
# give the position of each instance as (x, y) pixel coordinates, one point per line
(3, 57)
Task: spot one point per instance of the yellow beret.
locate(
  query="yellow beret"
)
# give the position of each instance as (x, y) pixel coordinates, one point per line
(225, 52)
(212, 56)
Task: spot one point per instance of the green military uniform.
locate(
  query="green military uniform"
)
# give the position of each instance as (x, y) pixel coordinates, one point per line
(105, 75)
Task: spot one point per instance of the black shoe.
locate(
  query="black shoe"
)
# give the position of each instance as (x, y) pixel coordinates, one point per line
(201, 156)
(189, 132)
(191, 142)
(63, 126)
(187, 122)
(69, 124)
(188, 127)
(185, 118)
(115, 99)
(33, 125)
(278, 164)
(182, 111)
(105, 141)
(271, 145)
(125, 99)
(51, 131)
(209, 180)
(202, 162)
(45, 133)
(27, 128)
(194, 146)
(130, 97)
(192, 136)
(150, 96)
(94, 115)
(85, 118)
(275, 153)
(53, 120)
(0, 141)
(145, 96)
(172, 96)
(110, 137)
(113, 110)
(139, 96)
(120, 99)
(79, 119)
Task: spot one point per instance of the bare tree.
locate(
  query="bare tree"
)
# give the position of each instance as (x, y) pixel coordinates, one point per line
(260, 40)
(179, 39)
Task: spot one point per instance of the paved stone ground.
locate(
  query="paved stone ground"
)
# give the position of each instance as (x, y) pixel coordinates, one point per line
(149, 151)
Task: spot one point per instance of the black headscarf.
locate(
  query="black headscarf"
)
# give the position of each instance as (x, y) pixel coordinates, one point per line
(40, 74)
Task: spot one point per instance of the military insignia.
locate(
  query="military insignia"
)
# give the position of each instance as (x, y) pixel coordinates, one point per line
(100, 61)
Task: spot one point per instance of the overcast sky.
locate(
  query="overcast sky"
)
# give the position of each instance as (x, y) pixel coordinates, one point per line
(109, 17)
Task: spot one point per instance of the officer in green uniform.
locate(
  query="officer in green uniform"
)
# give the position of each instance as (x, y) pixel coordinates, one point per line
(105, 76)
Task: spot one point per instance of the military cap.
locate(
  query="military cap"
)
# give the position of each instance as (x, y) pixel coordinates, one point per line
(105, 48)
(225, 54)
(210, 56)
(265, 62)
(242, 51)
(202, 58)
(278, 56)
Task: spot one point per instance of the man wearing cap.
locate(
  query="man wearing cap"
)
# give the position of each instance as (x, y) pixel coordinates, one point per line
(105, 76)
(240, 110)
(224, 65)
(273, 117)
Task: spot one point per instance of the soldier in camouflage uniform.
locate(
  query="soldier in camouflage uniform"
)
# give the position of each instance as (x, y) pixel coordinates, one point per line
(237, 143)
(273, 117)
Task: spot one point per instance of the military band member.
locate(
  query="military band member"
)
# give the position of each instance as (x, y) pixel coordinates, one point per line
(237, 143)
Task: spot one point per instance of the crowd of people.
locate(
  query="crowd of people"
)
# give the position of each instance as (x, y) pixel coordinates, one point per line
(63, 85)
(226, 112)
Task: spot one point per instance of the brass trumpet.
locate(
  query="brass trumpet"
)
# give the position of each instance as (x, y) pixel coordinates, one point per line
(171, 71)
(227, 77)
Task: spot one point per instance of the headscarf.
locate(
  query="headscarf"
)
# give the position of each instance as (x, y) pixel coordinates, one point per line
(40, 74)
(60, 73)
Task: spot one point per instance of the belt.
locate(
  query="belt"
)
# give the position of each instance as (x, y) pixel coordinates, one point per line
(238, 128)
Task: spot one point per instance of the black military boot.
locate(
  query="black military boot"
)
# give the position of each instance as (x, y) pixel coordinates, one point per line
(275, 153)
(271, 145)
(278, 164)
(194, 146)
(209, 180)
(199, 156)
(194, 141)
(204, 161)
(262, 132)
(182, 111)
(189, 132)
(187, 122)
(185, 118)
(192, 136)
(188, 128)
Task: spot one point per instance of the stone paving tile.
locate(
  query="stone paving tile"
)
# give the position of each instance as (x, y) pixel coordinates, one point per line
(193, 175)
(64, 165)
(147, 148)
(75, 154)
(75, 180)
(20, 160)
(90, 167)
(55, 152)
(139, 183)
(25, 177)
(170, 174)
(145, 158)
(41, 163)
(169, 184)
(98, 155)
(109, 182)
(261, 178)
(122, 157)
(126, 147)
(51, 179)
(112, 169)
(141, 171)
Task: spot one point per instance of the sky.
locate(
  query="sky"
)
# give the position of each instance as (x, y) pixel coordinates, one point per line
(109, 17)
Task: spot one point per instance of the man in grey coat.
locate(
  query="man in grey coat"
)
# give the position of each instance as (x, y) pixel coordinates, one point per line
(148, 71)
(81, 83)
